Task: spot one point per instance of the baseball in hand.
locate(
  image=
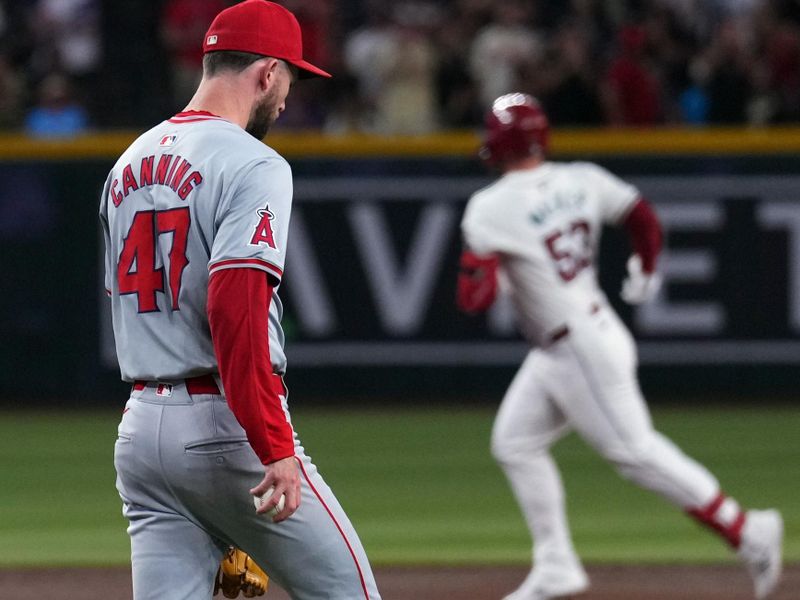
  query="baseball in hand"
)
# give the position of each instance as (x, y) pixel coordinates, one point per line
(259, 500)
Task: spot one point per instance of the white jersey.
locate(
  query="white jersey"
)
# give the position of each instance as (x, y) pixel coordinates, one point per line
(193, 195)
(545, 225)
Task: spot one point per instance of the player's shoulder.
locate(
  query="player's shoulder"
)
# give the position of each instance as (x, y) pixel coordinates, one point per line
(485, 198)
(235, 142)
(245, 143)
(587, 169)
(487, 191)
(506, 187)
(258, 160)
(487, 204)
(496, 190)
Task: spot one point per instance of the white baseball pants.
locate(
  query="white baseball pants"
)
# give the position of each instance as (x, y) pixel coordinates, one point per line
(586, 381)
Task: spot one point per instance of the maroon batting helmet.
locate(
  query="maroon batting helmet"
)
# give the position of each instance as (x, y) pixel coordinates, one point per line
(516, 127)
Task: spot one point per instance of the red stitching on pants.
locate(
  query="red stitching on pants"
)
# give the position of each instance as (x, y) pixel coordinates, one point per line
(335, 522)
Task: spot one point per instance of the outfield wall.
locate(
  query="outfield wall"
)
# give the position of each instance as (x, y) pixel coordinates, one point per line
(371, 270)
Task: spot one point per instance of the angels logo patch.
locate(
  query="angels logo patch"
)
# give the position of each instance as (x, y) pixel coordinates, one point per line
(263, 232)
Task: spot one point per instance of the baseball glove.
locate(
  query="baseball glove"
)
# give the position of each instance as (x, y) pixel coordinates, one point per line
(239, 573)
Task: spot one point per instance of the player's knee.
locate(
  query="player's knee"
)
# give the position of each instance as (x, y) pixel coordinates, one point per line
(499, 443)
(514, 449)
(506, 444)
(504, 448)
(627, 457)
(629, 469)
(631, 460)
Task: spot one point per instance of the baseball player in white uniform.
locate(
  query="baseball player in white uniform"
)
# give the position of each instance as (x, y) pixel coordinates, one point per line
(195, 215)
(537, 228)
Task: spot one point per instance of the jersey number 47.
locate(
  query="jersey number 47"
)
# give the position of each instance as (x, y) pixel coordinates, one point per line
(137, 270)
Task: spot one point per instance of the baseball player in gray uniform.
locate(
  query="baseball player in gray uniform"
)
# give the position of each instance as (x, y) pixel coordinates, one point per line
(537, 230)
(195, 215)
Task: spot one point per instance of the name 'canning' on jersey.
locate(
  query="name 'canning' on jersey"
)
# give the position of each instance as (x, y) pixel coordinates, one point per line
(194, 195)
(545, 224)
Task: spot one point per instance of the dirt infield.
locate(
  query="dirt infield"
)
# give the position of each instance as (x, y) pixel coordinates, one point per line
(437, 583)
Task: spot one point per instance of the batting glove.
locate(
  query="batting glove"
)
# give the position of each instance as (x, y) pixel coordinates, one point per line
(639, 287)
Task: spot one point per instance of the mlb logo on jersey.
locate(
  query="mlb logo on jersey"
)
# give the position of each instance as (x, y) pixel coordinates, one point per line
(164, 390)
(168, 140)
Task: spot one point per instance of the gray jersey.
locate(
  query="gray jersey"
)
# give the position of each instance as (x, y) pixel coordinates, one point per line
(194, 195)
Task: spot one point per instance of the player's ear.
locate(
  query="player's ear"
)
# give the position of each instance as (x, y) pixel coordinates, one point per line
(268, 73)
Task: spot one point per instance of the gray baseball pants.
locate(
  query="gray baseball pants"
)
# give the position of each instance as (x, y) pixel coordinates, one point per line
(184, 470)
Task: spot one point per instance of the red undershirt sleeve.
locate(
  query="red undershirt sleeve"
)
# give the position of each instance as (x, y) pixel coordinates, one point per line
(238, 314)
(644, 230)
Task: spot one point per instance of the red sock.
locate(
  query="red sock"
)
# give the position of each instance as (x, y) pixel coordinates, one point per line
(722, 515)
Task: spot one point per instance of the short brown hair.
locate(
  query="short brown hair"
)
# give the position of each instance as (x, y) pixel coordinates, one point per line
(228, 60)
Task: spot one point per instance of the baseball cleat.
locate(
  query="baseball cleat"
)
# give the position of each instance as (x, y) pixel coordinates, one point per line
(761, 549)
(551, 585)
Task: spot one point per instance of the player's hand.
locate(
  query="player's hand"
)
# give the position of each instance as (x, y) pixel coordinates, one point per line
(639, 287)
(284, 477)
(477, 284)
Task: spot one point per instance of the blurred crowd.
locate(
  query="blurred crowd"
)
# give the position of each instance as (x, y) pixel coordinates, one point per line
(416, 66)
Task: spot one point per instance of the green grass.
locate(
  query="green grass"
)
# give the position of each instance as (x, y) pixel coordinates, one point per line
(419, 484)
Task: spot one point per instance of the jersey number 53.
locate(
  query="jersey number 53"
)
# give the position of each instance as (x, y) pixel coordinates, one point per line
(570, 248)
(137, 270)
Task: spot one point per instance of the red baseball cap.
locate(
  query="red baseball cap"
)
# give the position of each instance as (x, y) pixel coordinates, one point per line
(260, 27)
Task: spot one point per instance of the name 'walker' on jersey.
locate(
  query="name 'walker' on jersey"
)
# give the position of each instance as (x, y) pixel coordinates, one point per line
(170, 219)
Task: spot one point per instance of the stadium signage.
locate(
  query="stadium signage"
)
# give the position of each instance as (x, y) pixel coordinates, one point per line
(731, 266)
(371, 272)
